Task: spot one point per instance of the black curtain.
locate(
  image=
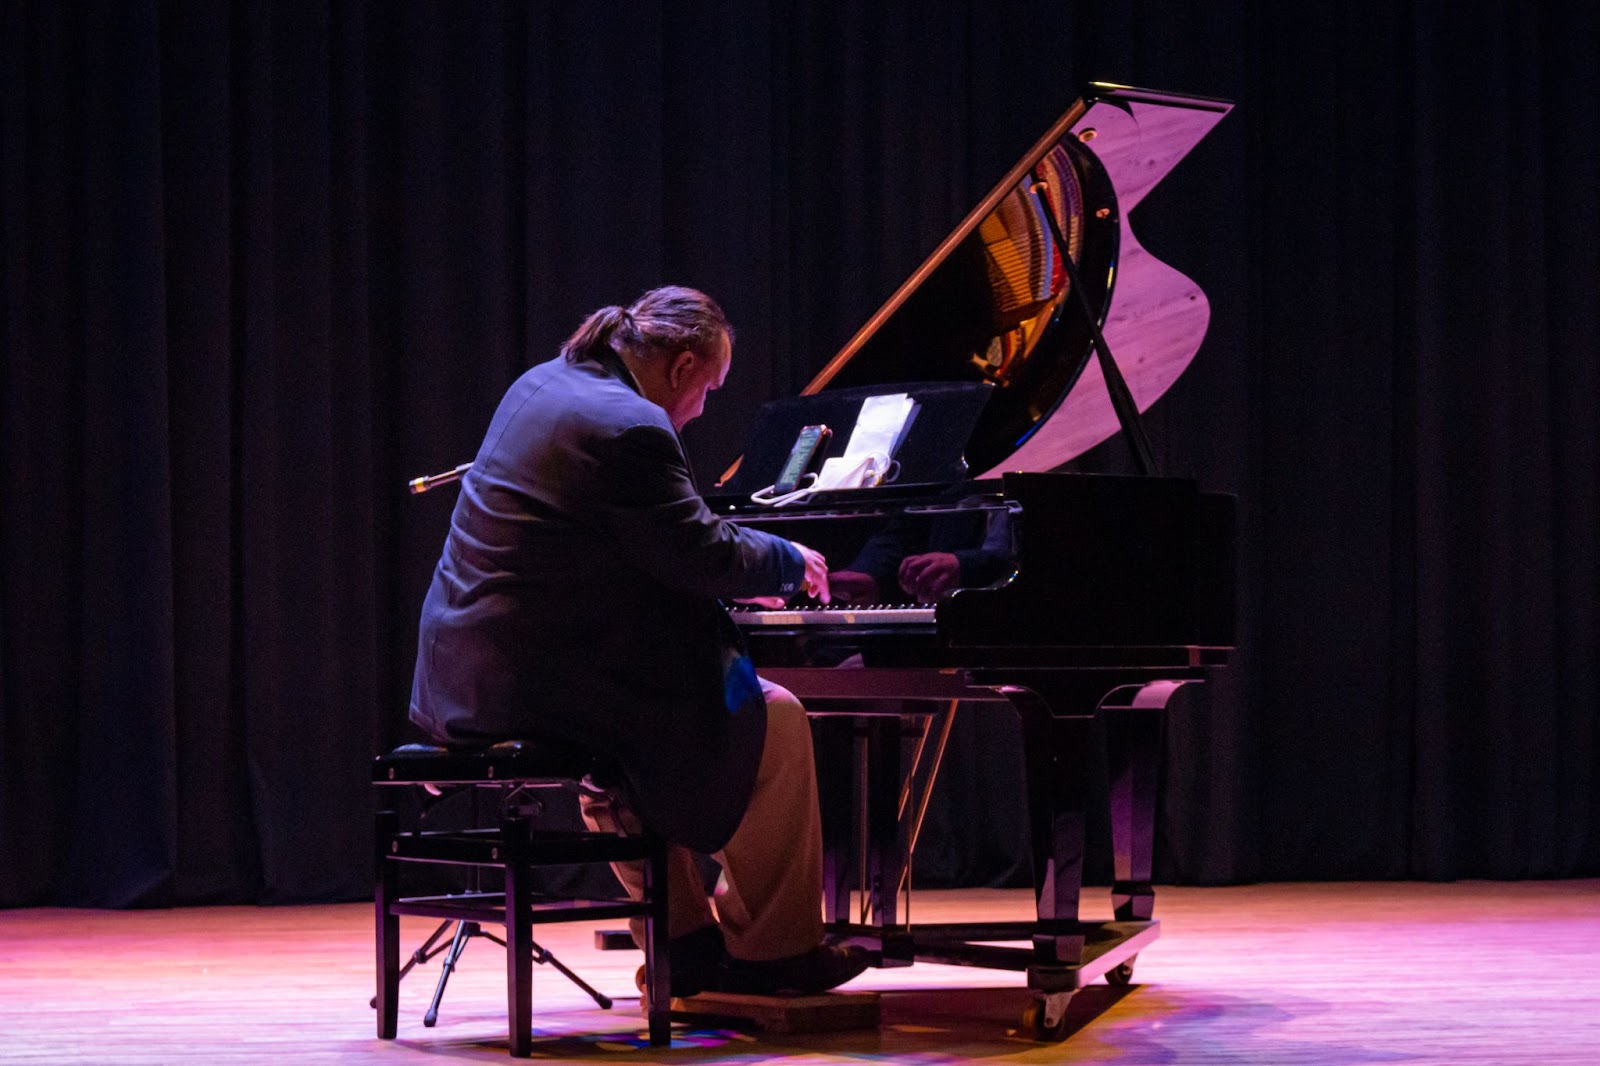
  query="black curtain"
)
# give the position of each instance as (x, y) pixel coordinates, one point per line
(263, 262)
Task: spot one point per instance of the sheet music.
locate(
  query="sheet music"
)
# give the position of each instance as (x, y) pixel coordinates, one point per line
(879, 426)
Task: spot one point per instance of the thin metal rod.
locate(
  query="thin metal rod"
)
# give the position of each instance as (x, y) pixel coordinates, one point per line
(927, 795)
(464, 932)
(1116, 386)
(916, 761)
(543, 955)
(419, 485)
(426, 951)
(862, 824)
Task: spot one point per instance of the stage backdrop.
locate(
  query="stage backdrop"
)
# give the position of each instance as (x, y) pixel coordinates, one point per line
(262, 262)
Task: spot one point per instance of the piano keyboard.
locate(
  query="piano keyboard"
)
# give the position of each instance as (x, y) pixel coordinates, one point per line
(835, 616)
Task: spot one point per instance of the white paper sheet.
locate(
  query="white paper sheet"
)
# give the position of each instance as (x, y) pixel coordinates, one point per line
(879, 425)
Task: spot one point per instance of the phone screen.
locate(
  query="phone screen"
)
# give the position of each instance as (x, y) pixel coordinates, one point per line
(805, 449)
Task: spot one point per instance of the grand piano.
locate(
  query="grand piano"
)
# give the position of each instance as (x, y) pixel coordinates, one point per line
(1037, 329)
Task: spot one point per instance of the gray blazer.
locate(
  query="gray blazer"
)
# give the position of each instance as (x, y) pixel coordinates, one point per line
(577, 599)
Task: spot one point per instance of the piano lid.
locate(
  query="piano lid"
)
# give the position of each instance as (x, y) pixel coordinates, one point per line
(992, 303)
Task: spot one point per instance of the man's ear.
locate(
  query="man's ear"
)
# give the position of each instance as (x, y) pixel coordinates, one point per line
(678, 370)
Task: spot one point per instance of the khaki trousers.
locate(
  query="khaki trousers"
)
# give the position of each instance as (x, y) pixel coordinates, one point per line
(771, 905)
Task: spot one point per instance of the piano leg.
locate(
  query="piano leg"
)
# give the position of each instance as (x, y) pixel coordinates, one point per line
(1057, 799)
(886, 857)
(834, 746)
(1133, 756)
(1061, 714)
(1134, 716)
(868, 743)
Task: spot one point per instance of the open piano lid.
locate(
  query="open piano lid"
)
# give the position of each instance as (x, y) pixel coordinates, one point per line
(992, 303)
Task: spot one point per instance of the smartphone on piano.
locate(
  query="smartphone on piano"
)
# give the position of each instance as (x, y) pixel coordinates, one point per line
(808, 445)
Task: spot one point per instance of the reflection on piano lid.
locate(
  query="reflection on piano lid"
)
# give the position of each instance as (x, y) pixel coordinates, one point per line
(993, 302)
(1101, 562)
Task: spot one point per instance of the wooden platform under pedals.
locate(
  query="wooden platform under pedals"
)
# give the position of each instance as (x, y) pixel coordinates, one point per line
(827, 1012)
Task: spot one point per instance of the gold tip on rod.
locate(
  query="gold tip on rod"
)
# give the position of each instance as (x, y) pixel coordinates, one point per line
(419, 485)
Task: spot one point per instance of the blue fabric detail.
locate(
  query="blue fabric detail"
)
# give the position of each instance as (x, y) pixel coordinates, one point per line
(739, 682)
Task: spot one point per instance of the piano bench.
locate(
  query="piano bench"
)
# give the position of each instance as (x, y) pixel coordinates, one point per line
(506, 850)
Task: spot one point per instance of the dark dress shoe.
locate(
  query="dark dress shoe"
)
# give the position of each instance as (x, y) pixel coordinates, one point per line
(697, 960)
(823, 967)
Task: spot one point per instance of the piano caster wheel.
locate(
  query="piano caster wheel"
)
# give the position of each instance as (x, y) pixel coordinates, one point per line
(1045, 1019)
(1121, 976)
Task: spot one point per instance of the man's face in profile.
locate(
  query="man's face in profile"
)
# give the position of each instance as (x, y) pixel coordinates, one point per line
(692, 378)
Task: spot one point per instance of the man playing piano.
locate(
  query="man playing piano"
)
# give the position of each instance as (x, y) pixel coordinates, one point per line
(576, 599)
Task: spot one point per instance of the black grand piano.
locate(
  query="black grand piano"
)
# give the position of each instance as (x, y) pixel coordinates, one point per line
(1037, 329)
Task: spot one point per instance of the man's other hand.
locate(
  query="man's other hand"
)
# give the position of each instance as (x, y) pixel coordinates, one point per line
(771, 603)
(853, 588)
(928, 576)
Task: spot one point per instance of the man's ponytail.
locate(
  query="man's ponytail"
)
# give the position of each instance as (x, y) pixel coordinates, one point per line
(609, 328)
(662, 322)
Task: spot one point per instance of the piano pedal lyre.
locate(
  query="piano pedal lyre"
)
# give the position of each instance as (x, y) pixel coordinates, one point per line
(920, 806)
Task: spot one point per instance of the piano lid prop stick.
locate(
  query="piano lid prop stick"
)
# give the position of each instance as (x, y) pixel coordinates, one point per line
(1116, 386)
(863, 828)
(419, 485)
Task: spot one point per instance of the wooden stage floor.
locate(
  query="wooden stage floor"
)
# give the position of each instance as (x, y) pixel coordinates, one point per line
(1298, 975)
